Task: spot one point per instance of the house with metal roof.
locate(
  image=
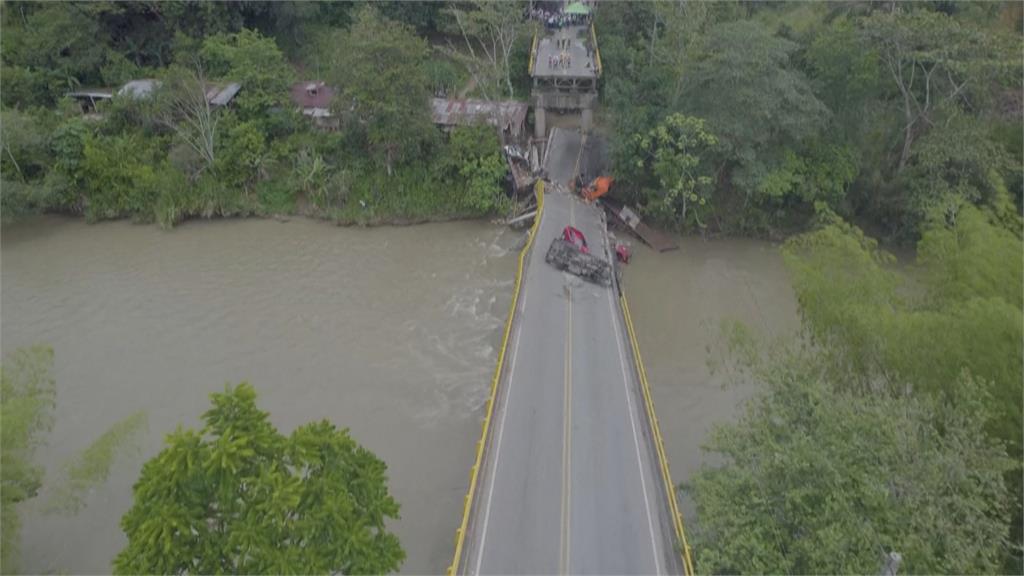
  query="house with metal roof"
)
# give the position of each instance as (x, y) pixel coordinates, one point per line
(313, 99)
(508, 116)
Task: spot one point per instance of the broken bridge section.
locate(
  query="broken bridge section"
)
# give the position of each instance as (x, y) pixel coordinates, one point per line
(571, 479)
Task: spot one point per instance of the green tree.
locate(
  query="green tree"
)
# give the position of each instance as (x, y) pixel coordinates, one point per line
(385, 89)
(676, 28)
(967, 257)
(27, 396)
(25, 160)
(238, 496)
(965, 314)
(473, 164)
(935, 62)
(819, 479)
(673, 161)
(243, 154)
(123, 176)
(953, 162)
(48, 50)
(490, 31)
(822, 174)
(256, 62)
(856, 308)
(753, 99)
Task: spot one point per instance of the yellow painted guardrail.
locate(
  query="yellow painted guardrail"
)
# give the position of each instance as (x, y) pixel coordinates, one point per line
(677, 517)
(460, 533)
(597, 51)
(533, 50)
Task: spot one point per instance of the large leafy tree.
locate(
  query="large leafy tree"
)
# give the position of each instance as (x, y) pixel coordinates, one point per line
(753, 98)
(964, 314)
(953, 162)
(935, 62)
(967, 257)
(240, 497)
(819, 479)
(882, 340)
(672, 162)
(380, 69)
(473, 164)
(48, 50)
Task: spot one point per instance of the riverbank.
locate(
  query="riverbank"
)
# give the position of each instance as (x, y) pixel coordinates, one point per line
(349, 216)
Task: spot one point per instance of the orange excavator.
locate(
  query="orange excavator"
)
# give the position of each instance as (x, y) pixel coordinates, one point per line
(599, 187)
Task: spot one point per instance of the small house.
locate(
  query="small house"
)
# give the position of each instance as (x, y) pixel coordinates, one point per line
(313, 99)
(89, 98)
(507, 116)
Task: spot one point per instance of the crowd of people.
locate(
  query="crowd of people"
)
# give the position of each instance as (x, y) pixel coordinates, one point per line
(556, 20)
(563, 60)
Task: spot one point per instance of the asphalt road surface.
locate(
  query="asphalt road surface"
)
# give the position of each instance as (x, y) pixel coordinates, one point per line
(570, 484)
(568, 42)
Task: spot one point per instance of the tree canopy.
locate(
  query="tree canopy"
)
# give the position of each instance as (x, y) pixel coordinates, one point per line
(384, 86)
(821, 479)
(882, 112)
(743, 67)
(239, 496)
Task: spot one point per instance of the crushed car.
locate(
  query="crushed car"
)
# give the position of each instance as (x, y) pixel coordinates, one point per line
(570, 253)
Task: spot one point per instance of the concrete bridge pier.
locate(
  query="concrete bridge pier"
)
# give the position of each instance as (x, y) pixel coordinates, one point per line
(539, 124)
(587, 120)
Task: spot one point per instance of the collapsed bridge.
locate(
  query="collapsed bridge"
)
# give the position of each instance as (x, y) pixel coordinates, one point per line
(570, 474)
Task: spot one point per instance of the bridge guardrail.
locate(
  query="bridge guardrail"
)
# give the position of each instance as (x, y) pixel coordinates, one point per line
(677, 517)
(533, 50)
(460, 532)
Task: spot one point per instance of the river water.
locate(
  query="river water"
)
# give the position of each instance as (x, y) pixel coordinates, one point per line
(679, 301)
(388, 331)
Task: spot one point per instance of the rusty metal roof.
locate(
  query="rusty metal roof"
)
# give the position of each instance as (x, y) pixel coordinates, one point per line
(312, 94)
(507, 114)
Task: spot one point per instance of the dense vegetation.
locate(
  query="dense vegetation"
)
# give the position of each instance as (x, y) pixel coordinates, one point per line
(240, 497)
(884, 112)
(894, 425)
(171, 156)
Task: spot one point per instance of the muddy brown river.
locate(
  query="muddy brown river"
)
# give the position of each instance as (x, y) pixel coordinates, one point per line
(388, 331)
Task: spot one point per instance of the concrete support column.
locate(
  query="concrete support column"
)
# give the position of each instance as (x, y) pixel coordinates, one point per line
(539, 128)
(587, 119)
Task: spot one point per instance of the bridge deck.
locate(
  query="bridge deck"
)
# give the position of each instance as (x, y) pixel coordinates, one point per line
(573, 43)
(570, 481)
